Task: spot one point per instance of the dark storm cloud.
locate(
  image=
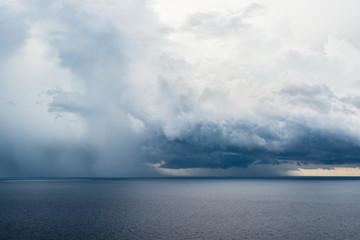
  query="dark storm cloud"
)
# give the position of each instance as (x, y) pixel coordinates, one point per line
(99, 89)
(211, 148)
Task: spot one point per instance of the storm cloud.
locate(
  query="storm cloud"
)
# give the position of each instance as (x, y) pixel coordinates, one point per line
(136, 88)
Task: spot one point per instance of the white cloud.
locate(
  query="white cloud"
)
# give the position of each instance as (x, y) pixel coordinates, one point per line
(109, 85)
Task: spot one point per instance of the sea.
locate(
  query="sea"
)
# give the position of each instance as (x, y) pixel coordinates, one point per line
(169, 209)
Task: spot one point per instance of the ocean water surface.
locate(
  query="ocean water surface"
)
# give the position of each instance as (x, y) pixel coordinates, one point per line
(179, 209)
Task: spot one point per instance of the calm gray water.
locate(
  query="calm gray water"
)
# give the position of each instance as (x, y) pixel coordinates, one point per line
(179, 209)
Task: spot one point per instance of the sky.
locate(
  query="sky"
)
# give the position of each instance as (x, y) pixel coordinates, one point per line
(131, 88)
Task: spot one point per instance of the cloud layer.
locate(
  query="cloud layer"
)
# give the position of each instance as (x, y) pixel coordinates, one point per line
(137, 88)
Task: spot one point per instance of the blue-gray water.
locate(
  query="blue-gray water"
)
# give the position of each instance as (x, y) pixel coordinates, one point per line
(179, 209)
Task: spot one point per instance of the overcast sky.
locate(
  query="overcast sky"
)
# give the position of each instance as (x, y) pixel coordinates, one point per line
(150, 88)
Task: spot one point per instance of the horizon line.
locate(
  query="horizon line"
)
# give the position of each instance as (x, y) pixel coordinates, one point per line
(189, 178)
